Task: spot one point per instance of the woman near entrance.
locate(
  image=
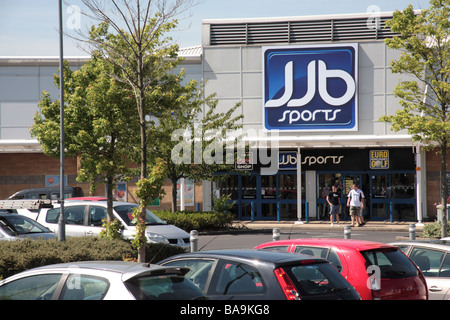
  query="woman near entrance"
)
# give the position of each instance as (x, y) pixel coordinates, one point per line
(356, 203)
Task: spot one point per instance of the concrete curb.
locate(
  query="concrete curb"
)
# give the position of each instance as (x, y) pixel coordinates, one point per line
(290, 226)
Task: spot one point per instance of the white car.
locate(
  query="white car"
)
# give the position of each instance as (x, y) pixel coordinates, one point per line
(85, 218)
(100, 280)
(433, 259)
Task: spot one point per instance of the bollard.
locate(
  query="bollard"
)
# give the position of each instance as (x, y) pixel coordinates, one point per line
(347, 232)
(412, 231)
(276, 234)
(194, 240)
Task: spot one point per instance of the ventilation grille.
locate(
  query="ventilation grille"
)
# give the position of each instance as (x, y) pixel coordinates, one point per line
(300, 31)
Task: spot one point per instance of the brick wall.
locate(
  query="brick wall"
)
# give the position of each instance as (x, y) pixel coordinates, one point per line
(20, 171)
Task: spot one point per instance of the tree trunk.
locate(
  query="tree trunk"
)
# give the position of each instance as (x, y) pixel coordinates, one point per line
(141, 107)
(109, 199)
(444, 188)
(174, 195)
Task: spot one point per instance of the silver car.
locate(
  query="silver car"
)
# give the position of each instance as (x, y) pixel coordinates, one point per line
(15, 227)
(85, 218)
(100, 280)
(433, 259)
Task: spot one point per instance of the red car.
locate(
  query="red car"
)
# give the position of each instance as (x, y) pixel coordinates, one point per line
(376, 270)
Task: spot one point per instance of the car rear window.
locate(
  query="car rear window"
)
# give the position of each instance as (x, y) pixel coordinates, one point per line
(164, 287)
(393, 263)
(320, 281)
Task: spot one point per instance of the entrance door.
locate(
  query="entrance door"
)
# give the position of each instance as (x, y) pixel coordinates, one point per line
(379, 196)
(347, 184)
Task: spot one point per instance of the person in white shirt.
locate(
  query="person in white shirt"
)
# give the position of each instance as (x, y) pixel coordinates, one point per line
(356, 203)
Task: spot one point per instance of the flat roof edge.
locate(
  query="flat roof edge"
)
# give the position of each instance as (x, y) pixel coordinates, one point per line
(302, 18)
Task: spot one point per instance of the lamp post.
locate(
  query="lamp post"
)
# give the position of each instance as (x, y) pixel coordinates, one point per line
(61, 222)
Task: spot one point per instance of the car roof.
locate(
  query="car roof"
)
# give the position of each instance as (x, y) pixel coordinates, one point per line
(432, 244)
(92, 198)
(97, 203)
(275, 257)
(360, 245)
(126, 268)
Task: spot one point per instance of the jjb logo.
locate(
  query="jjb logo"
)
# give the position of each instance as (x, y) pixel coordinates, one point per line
(310, 88)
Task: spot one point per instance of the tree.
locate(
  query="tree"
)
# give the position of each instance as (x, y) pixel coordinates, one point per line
(137, 47)
(98, 124)
(200, 152)
(424, 39)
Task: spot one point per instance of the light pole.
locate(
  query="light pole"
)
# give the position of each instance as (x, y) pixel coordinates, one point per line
(61, 222)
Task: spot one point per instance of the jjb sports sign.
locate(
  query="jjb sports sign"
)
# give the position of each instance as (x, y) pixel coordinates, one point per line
(310, 88)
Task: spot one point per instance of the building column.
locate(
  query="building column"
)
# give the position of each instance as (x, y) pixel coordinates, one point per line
(299, 186)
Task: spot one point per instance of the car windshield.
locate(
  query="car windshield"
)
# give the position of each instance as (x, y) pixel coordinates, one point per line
(320, 281)
(392, 263)
(164, 287)
(16, 225)
(126, 213)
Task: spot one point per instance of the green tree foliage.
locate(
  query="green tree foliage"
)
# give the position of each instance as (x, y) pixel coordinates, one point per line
(189, 134)
(131, 36)
(99, 123)
(424, 39)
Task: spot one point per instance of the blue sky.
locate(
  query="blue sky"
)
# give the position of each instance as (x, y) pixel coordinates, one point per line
(29, 27)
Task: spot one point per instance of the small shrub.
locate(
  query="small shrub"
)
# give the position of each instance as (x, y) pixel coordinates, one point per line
(111, 230)
(433, 230)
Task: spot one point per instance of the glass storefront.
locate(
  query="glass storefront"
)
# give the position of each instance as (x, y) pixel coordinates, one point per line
(390, 193)
(388, 196)
(275, 200)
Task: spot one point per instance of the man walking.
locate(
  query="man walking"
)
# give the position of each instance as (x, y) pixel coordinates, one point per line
(356, 203)
(334, 200)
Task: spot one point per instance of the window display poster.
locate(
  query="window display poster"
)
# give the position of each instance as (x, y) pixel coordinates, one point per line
(188, 193)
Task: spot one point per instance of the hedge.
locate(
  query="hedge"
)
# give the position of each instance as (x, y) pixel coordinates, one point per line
(200, 221)
(17, 256)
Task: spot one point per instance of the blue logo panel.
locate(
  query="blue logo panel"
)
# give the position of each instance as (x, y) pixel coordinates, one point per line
(310, 88)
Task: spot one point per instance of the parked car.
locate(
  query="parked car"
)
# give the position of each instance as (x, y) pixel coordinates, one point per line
(262, 275)
(52, 193)
(362, 263)
(433, 259)
(16, 227)
(100, 280)
(85, 218)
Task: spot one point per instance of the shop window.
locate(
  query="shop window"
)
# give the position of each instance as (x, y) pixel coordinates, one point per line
(269, 210)
(247, 210)
(404, 212)
(268, 187)
(403, 186)
(229, 186)
(287, 186)
(288, 211)
(249, 187)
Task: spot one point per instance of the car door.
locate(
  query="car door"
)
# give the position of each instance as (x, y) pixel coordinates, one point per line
(74, 217)
(435, 266)
(96, 215)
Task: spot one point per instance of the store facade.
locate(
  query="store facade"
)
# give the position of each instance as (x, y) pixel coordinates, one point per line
(386, 176)
(314, 89)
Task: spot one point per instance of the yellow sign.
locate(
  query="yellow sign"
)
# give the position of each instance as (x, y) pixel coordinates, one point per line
(379, 159)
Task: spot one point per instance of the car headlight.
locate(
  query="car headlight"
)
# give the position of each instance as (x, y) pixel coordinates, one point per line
(155, 237)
